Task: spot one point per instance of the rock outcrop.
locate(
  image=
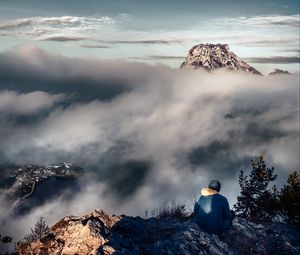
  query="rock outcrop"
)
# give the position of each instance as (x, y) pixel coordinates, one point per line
(215, 56)
(101, 233)
(278, 72)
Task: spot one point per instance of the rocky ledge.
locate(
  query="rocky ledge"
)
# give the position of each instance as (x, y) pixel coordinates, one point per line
(102, 233)
(215, 56)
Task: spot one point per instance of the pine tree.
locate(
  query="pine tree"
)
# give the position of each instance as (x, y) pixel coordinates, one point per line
(290, 199)
(39, 230)
(256, 202)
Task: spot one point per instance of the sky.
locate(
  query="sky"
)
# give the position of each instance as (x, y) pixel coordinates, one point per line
(264, 33)
(97, 83)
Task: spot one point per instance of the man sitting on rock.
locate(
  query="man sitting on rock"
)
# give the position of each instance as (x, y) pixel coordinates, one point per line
(212, 211)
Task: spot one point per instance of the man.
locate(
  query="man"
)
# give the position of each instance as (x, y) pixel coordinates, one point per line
(212, 211)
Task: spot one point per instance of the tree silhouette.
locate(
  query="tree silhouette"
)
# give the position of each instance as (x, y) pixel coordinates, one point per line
(39, 230)
(5, 239)
(256, 202)
(290, 199)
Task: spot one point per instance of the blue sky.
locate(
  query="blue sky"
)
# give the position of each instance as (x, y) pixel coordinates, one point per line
(264, 33)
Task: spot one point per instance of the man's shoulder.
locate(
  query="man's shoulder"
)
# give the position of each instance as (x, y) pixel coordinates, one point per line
(221, 197)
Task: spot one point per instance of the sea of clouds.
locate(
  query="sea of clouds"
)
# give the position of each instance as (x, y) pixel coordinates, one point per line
(144, 134)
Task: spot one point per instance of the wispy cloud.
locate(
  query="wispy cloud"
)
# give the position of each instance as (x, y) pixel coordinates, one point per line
(68, 28)
(60, 22)
(272, 42)
(297, 51)
(62, 28)
(271, 20)
(274, 60)
(159, 57)
(62, 38)
(142, 41)
(95, 46)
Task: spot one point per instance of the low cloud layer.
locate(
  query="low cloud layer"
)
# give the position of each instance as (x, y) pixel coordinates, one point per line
(160, 134)
(29, 68)
(12, 102)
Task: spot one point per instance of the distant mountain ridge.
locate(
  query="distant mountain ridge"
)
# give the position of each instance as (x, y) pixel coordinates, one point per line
(215, 56)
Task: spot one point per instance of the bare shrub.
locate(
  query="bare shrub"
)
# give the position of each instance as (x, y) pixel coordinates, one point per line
(170, 210)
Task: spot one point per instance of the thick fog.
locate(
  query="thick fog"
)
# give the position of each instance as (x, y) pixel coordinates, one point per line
(144, 134)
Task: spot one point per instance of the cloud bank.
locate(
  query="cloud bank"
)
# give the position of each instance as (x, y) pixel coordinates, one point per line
(13, 103)
(143, 133)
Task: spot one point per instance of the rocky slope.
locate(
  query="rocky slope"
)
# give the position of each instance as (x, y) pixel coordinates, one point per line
(215, 56)
(101, 233)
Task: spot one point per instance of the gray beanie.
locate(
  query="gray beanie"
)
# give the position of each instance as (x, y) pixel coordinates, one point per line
(215, 185)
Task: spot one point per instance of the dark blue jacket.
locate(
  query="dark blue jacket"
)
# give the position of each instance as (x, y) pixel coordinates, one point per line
(212, 212)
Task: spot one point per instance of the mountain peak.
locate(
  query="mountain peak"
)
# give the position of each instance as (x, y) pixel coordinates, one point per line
(214, 56)
(279, 71)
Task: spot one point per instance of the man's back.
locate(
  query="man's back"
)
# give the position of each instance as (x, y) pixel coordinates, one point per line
(212, 212)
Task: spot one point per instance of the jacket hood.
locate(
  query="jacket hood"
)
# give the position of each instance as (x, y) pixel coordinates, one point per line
(208, 192)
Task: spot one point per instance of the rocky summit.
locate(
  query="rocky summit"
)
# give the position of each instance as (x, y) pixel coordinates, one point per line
(279, 72)
(215, 56)
(102, 233)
